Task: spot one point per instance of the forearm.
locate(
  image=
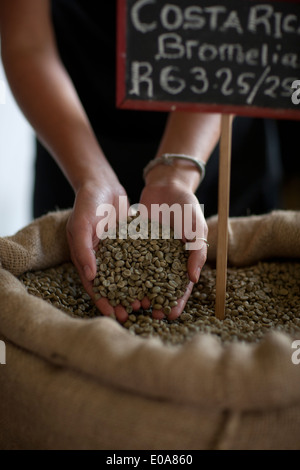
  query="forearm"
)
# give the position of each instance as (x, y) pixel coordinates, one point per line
(193, 134)
(49, 101)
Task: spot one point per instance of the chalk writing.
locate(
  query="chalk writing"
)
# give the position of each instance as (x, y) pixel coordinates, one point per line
(238, 52)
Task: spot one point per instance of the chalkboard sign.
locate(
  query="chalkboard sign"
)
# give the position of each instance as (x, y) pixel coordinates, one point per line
(230, 56)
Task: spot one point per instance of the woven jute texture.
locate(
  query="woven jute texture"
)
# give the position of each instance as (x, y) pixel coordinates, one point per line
(71, 383)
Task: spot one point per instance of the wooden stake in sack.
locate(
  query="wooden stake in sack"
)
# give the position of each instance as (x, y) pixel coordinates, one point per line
(223, 213)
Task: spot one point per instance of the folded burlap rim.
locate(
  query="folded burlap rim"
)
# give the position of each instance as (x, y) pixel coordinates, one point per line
(202, 372)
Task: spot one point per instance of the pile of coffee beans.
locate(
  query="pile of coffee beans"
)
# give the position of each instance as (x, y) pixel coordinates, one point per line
(259, 299)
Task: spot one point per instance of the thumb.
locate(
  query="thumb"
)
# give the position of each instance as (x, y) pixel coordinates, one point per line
(82, 251)
(196, 261)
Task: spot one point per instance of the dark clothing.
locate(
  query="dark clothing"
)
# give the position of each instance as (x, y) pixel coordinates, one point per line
(86, 38)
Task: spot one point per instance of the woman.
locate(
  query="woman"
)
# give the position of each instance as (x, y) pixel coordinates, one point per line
(59, 58)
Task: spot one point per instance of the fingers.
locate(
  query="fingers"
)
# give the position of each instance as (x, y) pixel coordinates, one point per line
(175, 311)
(82, 250)
(108, 310)
(158, 314)
(146, 304)
(104, 307)
(121, 314)
(196, 261)
(119, 311)
(195, 235)
(136, 305)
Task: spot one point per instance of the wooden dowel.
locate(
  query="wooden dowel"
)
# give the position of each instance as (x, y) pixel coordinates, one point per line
(223, 214)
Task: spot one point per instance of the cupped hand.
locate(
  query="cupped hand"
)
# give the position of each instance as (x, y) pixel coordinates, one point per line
(83, 239)
(191, 226)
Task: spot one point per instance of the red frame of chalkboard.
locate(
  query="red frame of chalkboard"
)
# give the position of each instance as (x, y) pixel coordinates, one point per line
(123, 103)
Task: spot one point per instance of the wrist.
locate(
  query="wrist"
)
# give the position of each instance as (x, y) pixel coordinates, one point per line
(97, 176)
(178, 172)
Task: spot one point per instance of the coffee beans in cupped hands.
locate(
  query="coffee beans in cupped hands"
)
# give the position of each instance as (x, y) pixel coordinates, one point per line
(130, 269)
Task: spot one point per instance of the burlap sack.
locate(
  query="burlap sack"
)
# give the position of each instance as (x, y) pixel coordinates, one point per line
(88, 384)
